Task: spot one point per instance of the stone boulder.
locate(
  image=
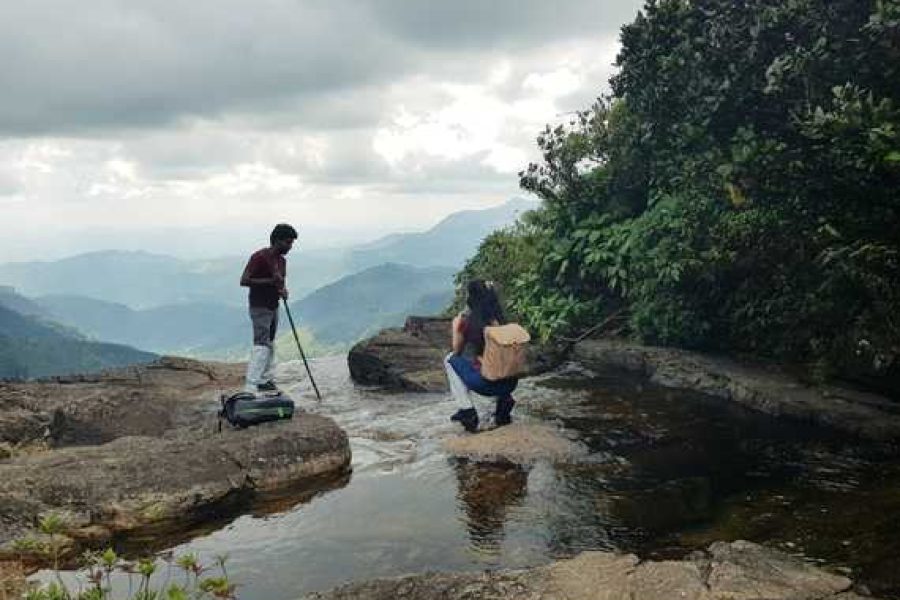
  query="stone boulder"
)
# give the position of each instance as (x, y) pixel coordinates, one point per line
(760, 387)
(407, 359)
(726, 571)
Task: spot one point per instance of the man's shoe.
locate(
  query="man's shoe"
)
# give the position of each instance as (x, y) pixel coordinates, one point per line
(268, 386)
(503, 411)
(468, 417)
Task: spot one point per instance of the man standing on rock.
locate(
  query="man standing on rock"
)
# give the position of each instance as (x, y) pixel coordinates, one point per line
(264, 275)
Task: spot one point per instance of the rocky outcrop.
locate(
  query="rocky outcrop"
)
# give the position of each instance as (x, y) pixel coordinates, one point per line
(134, 483)
(140, 449)
(407, 359)
(93, 409)
(411, 358)
(766, 389)
(726, 571)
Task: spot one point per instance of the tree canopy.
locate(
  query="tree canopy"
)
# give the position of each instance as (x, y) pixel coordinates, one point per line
(738, 190)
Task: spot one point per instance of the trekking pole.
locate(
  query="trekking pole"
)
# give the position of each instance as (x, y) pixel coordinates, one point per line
(299, 347)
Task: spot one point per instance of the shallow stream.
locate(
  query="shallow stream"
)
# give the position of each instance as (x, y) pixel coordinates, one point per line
(661, 473)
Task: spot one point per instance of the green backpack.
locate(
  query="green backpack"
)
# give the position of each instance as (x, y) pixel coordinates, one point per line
(245, 409)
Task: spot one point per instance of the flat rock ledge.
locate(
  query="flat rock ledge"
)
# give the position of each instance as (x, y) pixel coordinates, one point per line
(518, 443)
(761, 388)
(79, 410)
(158, 464)
(411, 358)
(725, 571)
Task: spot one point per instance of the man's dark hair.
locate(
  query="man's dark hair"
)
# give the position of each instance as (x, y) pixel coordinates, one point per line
(282, 231)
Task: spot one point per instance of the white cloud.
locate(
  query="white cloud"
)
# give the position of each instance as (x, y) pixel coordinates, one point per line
(506, 159)
(484, 119)
(201, 114)
(555, 83)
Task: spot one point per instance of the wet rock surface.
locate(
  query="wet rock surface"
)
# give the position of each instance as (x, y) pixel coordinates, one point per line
(762, 388)
(410, 359)
(517, 443)
(593, 462)
(140, 448)
(734, 571)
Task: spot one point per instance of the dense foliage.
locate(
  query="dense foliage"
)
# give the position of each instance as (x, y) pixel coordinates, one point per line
(738, 191)
(505, 257)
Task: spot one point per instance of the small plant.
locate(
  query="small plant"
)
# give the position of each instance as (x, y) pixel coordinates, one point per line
(51, 524)
(99, 569)
(29, 545)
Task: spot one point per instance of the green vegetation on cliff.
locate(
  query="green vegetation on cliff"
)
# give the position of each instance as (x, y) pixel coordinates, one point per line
(739, 190)
(30, 347)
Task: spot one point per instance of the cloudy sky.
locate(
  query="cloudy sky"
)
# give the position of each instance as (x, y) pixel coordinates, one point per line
(147, 124)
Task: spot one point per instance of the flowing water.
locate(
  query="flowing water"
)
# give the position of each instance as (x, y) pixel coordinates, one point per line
(659, 473)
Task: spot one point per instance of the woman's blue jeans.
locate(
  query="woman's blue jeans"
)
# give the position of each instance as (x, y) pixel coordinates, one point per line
(478, 384)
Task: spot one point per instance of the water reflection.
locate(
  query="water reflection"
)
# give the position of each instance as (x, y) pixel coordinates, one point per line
(487, 490)
(664, 473)
(659, 509)
(168, 533)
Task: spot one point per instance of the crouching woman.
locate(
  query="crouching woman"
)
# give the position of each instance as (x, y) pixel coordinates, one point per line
(463, 365)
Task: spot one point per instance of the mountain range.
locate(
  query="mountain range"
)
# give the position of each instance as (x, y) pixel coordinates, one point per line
(447, 244)
(378, 297)
(168, 305)
(192, 328)
(334, 315)
(141, 280)
(31, 346)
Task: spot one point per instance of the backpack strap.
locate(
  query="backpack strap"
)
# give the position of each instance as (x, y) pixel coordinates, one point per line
(221, 413)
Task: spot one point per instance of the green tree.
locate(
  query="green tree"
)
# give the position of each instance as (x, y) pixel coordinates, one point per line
(738, 190)
(503, 257)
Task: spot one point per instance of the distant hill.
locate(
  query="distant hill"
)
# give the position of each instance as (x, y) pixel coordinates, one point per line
(136, 279)
(195, 329)
(379, 297)
(330, 318)
(141, 280)
(12, 300)
(31, 347)
(449, 243)
(432, 304)
(196, 308)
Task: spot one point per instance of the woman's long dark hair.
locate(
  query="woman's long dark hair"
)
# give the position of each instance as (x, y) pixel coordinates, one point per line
(484, 309)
